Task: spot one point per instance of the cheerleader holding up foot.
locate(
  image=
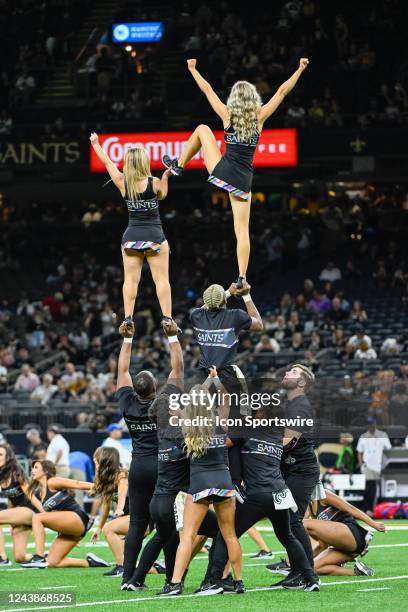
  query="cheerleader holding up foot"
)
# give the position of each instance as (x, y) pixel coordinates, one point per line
(144, 235)
(243, 117)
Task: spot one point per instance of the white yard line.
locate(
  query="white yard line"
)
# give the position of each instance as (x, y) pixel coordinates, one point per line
(67, 586)
(155, 598)
(376, 589)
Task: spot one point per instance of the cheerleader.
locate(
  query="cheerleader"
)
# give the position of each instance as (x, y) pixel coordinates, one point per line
(210, 483)
(338, 536)
(61, 513)
(144, 236)
(243, 117)
(22, 504)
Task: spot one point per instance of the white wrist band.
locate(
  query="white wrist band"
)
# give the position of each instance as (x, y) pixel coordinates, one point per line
(227, 294)
(127, 340)
(247, 298)
(172, 338)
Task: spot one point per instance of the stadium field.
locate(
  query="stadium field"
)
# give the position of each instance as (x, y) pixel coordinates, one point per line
(388, 589)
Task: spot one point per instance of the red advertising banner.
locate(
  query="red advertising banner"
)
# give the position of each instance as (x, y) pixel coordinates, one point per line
(276, 148)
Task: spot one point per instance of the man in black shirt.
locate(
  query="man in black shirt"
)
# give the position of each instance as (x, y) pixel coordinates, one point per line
(299, 465)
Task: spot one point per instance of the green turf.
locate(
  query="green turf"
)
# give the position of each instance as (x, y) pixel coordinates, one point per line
(103, 594)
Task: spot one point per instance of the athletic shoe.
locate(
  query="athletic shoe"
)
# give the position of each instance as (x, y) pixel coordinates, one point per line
(361, 569)
(115, 571)
(4, 562)
(35, 562)
(136, 586)
(130, 326)
(95, 561)
(159, 567)
(263, 554)
(240, 282)
(287, 581)
(228, 584)
(311, 586)
(239, 587)
(124, 585)
(172, 165)
(171, 589)
(282, 567)
(169, 320)
(212, 587)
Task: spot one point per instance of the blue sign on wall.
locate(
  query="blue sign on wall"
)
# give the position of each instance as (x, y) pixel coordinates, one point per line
(147, 31)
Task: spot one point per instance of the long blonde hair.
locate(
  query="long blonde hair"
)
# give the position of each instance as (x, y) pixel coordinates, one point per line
(243, 104)
(198, 437)
(136, 168)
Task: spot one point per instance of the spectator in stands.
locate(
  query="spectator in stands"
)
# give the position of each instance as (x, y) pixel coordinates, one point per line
(62, 394)
(330, 273)
(359, 337)
(43, 393)
(336, 312)
(394, 346)
(346, 390)
(346, 460)
(398, 409)
(24, 89)
(319, 303)
(358, 313)
(267, 344)
(297, 343)
(35, 443)
(70, 376)
(365, 352)
(316, 113)
(370, 449)
(58, 451)
(113, 440)
(3, 378)
(6, 123)
(27, 380)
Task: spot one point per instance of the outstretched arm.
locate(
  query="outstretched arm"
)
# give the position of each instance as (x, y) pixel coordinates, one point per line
(219, 107)
(176, 375)
(124, 378)
(58, 484)
(338, 502)
(270, 107)
(113, 171)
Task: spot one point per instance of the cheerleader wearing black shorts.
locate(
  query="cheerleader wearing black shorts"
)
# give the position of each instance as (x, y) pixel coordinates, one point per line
(243, 117)
(339, 538)
(144, 236)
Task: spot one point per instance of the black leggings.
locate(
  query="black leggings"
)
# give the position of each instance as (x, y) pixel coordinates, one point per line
(301, 487)
(162, 513)
(255, 508)
(142, 480)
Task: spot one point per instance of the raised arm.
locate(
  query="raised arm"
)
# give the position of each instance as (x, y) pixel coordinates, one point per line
(113, 171)
(257, 323)
(270, 107)
(161, 186)
(176, 375)
(124, 378)
(219, 107)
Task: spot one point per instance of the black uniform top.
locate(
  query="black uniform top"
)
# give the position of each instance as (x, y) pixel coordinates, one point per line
(142, 429)
(60, 500)
(300, 457)
(261, 457)
(330, 513)
(240, 151)
(215, 457)
(145, 208)
(216, 331)
(15, 494)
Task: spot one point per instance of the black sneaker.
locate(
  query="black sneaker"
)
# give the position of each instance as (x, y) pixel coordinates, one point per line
(296, 583)
(212, 587)
(36, 562)
(311, 586)
(4, 562)
(169, 320)
(282, 567)
(228, 584)
(263, 554)
(172, 165)
(124, 585)
(171, 589)
(239, 587)
(134, 585)
(159, 567)
(240, 282)
(361, 569)
(95, 561)
(115, 571)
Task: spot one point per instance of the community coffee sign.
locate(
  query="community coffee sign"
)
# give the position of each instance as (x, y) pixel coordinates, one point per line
(46, 153)
(276, 148)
